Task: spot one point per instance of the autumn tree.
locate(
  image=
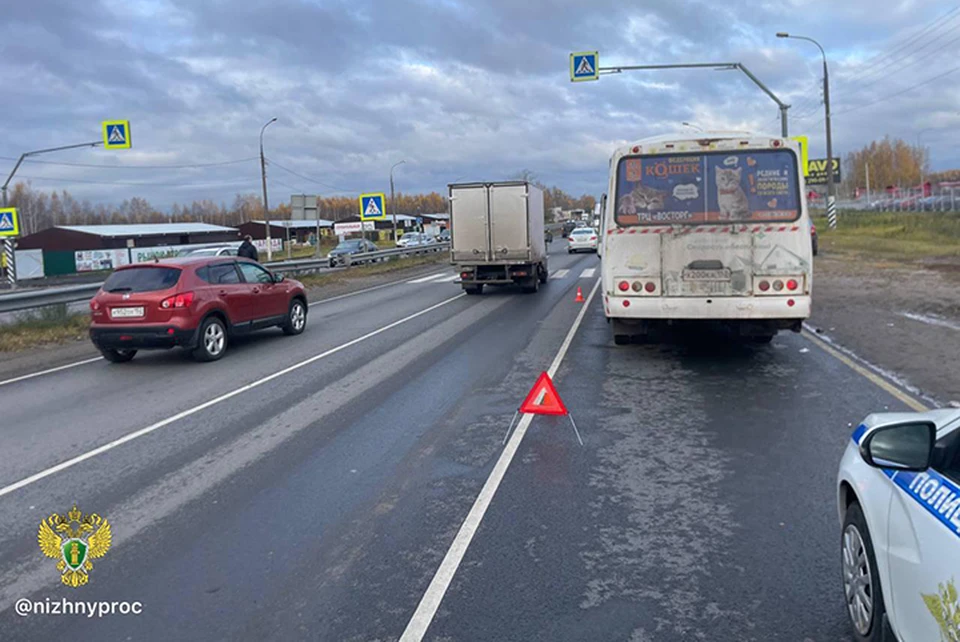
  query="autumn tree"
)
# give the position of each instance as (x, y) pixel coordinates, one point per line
(891, 162)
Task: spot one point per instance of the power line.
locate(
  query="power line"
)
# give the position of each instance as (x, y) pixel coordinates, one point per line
(932, 25)
(875, 74)
(129, 184)
(193, 166)
(306, 178)
(894, 95)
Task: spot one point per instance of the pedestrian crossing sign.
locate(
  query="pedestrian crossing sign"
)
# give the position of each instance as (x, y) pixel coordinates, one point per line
(371, 207)
(584, 65)
(9, 223)
(116, 134)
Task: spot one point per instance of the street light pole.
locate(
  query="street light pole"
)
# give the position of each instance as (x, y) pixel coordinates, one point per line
(716, 66)
(692, 126)
(393, 202)
(10, 245)
(263, 176)
(831, 190)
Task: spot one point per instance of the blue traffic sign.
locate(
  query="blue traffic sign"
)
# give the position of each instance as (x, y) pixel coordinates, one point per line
(9, 223)
(584, 65)
(371, 207)
(116, 134)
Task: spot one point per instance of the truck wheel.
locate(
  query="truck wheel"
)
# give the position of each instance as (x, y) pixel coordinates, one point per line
(532, 286)
(473, 289)
(544, 274)
(622, 339)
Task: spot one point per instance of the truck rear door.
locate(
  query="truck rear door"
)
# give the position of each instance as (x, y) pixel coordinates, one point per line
(469, 222)
(508, 216)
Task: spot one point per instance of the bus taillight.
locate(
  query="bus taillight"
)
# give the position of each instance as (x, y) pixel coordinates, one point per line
(792, 284)
(624, 286)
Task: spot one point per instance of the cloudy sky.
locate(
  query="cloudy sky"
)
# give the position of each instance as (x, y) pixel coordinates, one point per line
(461, 90)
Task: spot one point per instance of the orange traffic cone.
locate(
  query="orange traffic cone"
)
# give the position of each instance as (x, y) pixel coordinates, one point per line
(579, 298)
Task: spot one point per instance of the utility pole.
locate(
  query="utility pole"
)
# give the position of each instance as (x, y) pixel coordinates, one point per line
(10, 245)
(831, 190)
(869, 200)
(266, 206)
(393, 202)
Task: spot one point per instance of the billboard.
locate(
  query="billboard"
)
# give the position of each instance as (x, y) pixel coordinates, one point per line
(817, 171)
(741, 186)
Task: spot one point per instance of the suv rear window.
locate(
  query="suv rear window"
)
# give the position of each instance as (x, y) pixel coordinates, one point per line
(142, 279)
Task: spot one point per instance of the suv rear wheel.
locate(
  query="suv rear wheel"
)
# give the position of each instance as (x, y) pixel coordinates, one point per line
(117, 356)
(213, 340)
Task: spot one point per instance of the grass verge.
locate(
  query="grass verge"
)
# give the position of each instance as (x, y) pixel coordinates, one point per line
(908, 237)
(44, 326)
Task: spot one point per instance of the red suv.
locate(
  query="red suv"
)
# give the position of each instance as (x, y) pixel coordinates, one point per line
(194, 303)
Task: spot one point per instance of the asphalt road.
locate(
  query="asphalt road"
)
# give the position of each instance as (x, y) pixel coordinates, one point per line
(309, 487)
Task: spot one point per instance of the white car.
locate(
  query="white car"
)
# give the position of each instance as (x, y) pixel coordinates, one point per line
(413, 239)
(582, 239)
(899, 501)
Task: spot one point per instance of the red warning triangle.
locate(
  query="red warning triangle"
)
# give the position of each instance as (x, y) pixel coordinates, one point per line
(543, 399)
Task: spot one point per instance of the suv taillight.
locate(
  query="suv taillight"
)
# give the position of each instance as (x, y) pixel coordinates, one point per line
(183, 300)
(94, 305)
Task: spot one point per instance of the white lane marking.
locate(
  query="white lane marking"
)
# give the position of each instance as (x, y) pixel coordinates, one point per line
(588, 273)
(448, 279)
(931, 320)
(431, 277)
(430, 602)
(559, 274)
(370, 289)
(6, 490)
(49, 370)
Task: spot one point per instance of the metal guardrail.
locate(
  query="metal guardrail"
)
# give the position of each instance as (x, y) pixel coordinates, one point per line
(38, 298)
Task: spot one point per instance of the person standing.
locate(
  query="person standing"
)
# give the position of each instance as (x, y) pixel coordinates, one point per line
(248, 250)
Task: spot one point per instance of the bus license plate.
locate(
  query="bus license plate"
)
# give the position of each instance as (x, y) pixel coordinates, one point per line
(707, 275)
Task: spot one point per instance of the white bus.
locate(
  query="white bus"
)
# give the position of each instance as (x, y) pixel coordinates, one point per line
(713, 228)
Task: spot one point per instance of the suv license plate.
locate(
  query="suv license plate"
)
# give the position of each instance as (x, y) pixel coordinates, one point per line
(126, 313)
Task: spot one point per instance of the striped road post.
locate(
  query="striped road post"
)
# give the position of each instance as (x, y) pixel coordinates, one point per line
(8, 246)
(832, 212)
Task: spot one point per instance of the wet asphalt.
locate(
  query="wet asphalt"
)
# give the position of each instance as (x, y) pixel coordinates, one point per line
(319, 504)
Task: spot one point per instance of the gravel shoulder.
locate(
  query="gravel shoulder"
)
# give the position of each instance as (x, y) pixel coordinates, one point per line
(903, 317)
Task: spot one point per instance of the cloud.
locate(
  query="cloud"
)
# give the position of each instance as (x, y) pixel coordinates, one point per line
(474, 89)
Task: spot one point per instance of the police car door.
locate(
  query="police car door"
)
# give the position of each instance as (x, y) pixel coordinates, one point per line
(924, 546)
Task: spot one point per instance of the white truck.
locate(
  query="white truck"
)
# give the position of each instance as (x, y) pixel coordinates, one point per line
(497, 235)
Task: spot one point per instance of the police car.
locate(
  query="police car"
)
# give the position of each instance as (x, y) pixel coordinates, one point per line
(899, 501)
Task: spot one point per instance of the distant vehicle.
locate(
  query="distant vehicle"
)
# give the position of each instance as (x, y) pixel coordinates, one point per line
(899, 507)
(443, 236)
(225, 250)
(685, 239)
(582, 239)
(414, 239)
(498, 235)
(197, 303)
(347, 248)
(814, 243)
(568, 227)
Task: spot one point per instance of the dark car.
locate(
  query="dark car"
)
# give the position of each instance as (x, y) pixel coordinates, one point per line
(443, 236)
(193, 303)
(349, 247)
(813, 238)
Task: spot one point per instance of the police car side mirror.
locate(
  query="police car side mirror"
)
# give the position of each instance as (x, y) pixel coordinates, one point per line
(906, 446)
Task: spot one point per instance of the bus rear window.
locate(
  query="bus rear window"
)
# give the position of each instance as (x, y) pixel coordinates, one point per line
(717, 187)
